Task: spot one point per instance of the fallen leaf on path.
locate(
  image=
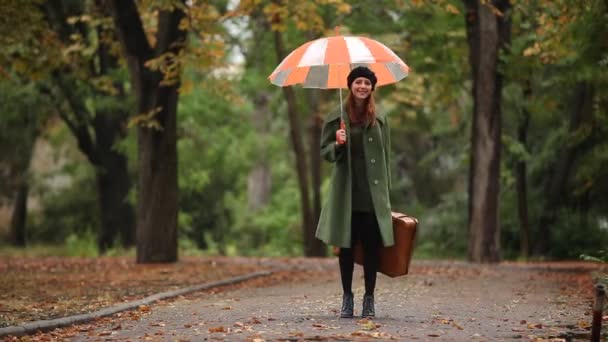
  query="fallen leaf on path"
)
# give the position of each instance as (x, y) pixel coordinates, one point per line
(583, 324)
(219, 329)
(368, 325)
(458, 326)
(134, 317)
(535, 326)
(105, 333)
(452, 323)
(158, 324)
(374, 334)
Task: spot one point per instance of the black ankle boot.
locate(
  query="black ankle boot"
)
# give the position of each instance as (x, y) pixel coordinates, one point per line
(368, 306)
(347, 306)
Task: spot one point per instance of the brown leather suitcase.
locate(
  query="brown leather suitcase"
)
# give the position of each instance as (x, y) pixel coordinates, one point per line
(395, 260)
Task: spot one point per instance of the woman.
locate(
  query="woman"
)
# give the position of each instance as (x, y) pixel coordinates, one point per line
(358, 208)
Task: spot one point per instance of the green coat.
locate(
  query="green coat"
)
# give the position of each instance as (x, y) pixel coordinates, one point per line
(335, 221)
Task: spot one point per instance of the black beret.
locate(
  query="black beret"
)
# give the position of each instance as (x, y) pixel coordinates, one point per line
(361, 71)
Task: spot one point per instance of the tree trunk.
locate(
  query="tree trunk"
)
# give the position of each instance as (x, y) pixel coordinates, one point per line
(19, 216)
(113, 183)
(259, 181)
(18, 177)
(157, 190)
(111, 170)
(555, 188)
(109, 127)
(316, 124)
(521, 181)
(308, 229)
(487, 34)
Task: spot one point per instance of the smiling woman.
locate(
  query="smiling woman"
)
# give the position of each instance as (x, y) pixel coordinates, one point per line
(358, 207)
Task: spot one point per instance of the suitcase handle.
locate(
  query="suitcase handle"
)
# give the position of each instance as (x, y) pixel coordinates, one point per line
(400, 216)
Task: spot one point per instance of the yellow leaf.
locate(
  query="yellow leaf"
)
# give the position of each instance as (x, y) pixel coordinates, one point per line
(452, 9)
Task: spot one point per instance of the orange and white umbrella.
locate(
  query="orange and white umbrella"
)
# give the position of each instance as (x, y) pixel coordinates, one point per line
(326, 62)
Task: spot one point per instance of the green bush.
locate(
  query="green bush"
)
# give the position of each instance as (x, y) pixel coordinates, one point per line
(71, 211)
(443, 229)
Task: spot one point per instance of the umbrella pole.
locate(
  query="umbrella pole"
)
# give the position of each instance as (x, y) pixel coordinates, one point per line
(341, 109)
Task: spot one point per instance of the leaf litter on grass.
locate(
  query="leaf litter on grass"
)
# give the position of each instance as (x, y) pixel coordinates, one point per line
(51, 287)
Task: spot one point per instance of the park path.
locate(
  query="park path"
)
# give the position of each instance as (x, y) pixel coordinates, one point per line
(441, 301)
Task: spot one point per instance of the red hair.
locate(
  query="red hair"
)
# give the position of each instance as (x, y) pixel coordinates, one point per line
(369, 113)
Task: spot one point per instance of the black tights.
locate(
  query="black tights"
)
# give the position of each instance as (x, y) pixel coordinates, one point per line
(364, 228)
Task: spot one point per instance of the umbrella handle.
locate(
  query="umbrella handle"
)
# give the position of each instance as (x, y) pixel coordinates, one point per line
(339, 139)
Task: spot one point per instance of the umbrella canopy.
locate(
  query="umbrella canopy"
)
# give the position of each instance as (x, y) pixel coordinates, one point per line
(325, 63)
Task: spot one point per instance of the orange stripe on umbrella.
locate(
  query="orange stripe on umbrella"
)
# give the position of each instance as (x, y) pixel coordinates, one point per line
(297, 76)
(337, 76)
(383, 74)
(337, 51)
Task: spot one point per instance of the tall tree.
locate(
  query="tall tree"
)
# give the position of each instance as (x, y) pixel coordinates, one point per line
(521, 178)
(259, 183)
(19, 127)
(574, 28)
(22, 32)
(157, 94)
(312, 246)
(305, 16)
(86, 77)
(488, 32)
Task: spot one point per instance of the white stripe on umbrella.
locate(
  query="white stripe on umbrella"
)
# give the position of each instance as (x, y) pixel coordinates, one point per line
(315, 53)
(391, 52)
(359, 53)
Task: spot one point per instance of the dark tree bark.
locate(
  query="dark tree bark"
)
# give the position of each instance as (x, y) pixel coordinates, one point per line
(16, 150)
(112, 172)
(19, 215)
(259, 181)
(521, 182)
(315, 127)
(487, 34)
(113, 184)
(157, 190)
(316, 123)
(18, 182)
(555, 188)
